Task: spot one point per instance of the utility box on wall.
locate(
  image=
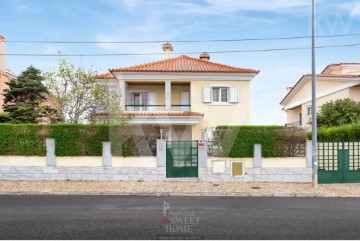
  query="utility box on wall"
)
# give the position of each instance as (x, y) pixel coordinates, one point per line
(237, 168)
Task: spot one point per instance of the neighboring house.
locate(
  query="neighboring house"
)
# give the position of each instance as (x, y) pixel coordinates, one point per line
(5, 74)
(185, 96)
(336, 81)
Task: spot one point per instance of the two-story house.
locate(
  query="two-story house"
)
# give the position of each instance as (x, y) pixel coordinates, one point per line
(336, 81)
(186, 96)
(5, 74)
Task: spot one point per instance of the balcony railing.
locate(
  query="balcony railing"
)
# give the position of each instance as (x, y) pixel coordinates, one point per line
(293, 124)
(157, 108)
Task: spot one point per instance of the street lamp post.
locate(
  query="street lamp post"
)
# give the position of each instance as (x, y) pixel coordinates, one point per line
(313, 102)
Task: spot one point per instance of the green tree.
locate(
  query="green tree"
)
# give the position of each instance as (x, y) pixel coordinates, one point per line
(339, 112)
(23, 98)
(77, 94)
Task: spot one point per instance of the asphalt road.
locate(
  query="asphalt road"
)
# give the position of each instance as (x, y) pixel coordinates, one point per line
(130, 217)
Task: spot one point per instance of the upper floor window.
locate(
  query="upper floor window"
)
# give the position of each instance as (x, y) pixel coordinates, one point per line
(220, 94)
(216, 94)
(309, 111)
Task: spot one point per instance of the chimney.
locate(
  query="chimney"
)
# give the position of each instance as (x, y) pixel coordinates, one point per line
(288, 89)
(2, 54)
(168, 49)
(204, 56)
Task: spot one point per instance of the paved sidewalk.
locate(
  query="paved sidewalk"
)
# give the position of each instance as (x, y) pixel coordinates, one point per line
(179, 188)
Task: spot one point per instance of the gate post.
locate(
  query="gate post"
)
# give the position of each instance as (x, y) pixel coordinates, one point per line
(50, 152)
(202, 153)
(106, 154)
(160, 153)
(309, 154)
(257, 156)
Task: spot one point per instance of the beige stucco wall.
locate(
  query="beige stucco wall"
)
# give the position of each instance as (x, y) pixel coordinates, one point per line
(220, 114)
(134, 161)
(293, 115)
(248, 161)
(320, 101)
(22, 161)
(322, 85)
(266, 162)
(79, 161)
(354, 93)
(284, 162)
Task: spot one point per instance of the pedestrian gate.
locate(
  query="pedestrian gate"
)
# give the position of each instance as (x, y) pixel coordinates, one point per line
(338, 162)
(181, 159)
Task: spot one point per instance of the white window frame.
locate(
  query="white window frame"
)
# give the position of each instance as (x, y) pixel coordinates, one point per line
(221, 89)
(308, 111)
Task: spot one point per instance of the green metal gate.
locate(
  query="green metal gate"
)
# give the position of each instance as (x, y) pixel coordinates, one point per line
(181, 159)
(338, 162)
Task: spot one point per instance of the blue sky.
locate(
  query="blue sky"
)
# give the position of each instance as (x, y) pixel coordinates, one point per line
(141, 20)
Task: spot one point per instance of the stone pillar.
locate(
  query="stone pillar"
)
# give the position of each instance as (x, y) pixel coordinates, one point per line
(50, 152)
(168, 133)
(202, 153)
(167, 95)
(106, 154)
(122, 88)
(257, 156)
(308, 154)
(161, 153)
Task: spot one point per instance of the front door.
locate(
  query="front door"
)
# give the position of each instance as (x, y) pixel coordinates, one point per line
(181, 159)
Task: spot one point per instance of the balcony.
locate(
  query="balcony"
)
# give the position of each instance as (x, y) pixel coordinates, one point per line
(157, 108)
(293, 124)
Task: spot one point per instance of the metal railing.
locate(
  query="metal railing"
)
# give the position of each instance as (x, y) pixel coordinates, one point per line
(293, 124)
(157, 108)
(214, 148)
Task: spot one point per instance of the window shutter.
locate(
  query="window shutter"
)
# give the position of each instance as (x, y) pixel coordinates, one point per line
(206, 94)
(234, 95)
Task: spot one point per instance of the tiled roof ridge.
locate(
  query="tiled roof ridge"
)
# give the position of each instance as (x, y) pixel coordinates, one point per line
(338, 64)
(223, 65)
(145, 64)
(213, 65)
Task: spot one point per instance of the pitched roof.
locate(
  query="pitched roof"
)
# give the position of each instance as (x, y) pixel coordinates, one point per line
(105, 76)
(338, 64)
(320, 76)
(184, 63)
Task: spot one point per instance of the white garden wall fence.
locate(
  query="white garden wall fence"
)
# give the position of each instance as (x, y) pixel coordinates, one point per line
(110, 168)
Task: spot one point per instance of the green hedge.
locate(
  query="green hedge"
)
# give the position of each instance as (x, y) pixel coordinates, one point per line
(24, 140)
(349, 132)
(276, 141)
(71, 139)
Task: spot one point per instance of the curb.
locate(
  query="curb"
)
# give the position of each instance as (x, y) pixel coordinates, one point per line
(170, 194)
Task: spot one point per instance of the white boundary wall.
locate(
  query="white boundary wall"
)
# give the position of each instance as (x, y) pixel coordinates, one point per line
(107, 167)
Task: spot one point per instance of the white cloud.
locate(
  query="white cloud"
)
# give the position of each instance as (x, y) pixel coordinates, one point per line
(225, 6)
(354, 9)
(130, 4)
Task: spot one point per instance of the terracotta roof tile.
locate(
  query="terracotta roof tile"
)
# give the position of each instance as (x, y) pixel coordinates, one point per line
(105, 76)
(338, 64)
(184, 63)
